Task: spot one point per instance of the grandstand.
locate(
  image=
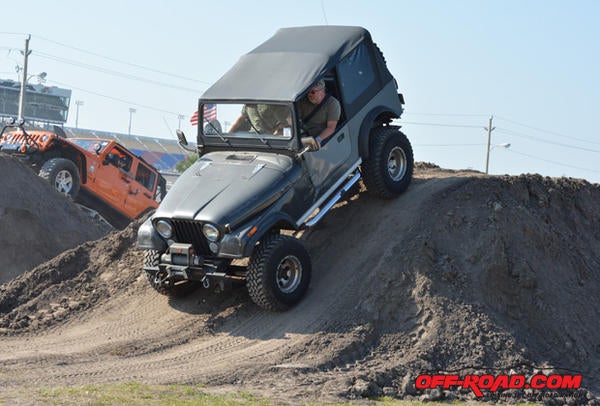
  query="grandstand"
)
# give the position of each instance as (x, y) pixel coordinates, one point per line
(45, 106)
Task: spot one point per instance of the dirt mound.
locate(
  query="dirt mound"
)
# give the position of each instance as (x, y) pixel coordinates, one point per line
(76, 280)
(463, 274)
(36, 223)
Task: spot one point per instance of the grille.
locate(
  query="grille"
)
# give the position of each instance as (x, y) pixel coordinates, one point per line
(190, 232)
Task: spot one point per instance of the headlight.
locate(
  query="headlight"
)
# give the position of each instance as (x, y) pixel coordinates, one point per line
(164, 228)
(210, 232)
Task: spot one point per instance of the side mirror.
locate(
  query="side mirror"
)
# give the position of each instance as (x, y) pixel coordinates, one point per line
(97, 148)
(181, 137)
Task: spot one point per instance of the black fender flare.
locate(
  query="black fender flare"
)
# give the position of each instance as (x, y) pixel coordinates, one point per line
(386, 114)
(78, 158)
(265, 225)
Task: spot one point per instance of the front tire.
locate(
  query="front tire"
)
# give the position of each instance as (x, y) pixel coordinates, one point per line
(279, 272)
(63, 176)
(388, 171)
(168, 287)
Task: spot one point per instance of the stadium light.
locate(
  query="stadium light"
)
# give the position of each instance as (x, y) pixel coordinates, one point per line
(78, 103)
(131, 111)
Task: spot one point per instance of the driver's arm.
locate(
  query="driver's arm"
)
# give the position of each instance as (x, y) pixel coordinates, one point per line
(326, 133)
(236, 123)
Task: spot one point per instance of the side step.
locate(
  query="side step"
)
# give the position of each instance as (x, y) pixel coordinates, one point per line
(334, 199)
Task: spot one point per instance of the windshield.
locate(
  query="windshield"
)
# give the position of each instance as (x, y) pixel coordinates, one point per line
(267, 121)
(89, 144)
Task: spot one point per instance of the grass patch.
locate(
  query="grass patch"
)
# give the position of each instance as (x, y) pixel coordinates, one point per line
(135, 394)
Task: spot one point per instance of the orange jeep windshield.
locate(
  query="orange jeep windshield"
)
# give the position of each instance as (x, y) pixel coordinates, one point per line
(90, 145)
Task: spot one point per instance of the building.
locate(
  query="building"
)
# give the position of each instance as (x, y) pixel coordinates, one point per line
(44, 104)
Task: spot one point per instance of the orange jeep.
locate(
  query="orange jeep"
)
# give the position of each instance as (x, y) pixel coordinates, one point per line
(115, 182)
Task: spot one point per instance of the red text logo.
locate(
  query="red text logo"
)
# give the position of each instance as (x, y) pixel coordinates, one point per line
(491, 383)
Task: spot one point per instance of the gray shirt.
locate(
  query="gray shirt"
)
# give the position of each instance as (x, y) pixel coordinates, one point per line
(330, 111)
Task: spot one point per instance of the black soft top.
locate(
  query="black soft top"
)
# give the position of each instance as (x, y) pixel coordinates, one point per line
(287, 64)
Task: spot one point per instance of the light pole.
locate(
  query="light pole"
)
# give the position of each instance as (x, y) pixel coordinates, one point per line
(180, 117)
(78, 103)
(131, 111)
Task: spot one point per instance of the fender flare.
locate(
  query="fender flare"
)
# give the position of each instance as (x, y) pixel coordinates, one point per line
(264, 225)
(370, 119)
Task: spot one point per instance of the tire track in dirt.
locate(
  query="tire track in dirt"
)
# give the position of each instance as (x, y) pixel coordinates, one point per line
(138, 335)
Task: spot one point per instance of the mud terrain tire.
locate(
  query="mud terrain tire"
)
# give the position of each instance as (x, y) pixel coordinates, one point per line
(279, 272)
(172, 288)
(63, 176)
(388, 171)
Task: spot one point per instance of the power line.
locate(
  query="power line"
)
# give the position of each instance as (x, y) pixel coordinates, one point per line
(553, 162)
(445, 114)
(112, 72)
(440, 125)
(114, 98)
(531, 137)
(448, 145)
(547, 131)
(122, 62)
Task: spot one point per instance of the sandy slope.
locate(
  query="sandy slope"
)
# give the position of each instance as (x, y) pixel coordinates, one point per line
(463, 272)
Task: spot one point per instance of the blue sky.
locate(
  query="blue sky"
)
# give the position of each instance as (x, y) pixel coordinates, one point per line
(533, 65)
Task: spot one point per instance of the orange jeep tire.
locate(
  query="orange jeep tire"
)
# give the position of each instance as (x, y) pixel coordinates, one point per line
(63, 176)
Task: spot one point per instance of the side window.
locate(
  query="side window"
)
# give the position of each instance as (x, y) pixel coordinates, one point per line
(120, 159)
(145, 176)
(356, 74)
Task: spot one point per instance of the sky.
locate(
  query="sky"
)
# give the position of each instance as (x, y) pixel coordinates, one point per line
(532, 65)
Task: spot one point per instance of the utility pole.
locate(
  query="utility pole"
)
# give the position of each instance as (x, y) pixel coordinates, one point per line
(24, 78)
(489, 130)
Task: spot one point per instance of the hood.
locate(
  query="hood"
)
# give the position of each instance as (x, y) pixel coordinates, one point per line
(227, 187)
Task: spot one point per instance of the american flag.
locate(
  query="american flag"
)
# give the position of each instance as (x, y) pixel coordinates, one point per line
(210, 114)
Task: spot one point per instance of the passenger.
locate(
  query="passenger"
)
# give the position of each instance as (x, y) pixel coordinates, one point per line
(320, 114)
(263, 119)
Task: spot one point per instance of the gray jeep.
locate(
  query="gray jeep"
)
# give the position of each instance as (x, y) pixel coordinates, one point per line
(255, 181)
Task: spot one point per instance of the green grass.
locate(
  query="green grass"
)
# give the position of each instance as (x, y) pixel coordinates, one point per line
(130, 394)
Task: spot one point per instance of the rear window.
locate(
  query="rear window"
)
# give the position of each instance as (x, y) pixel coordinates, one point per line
(356, 73)
(145, 176)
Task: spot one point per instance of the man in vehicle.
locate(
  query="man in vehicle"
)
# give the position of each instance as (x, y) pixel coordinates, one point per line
(263, 119)
(319, 113)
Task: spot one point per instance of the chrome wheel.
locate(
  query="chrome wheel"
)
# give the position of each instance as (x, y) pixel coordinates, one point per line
(397, 164)
(63, 181)
(289, 274)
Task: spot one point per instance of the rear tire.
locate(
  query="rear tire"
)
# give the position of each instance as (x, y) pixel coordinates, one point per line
(388, 171)
(170, 287)
(279, 272)
(63, 176)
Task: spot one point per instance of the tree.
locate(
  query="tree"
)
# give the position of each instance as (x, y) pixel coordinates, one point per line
(186, 163)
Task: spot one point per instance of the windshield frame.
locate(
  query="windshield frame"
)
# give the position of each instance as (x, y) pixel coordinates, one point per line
(246, 139)
(89, 144)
